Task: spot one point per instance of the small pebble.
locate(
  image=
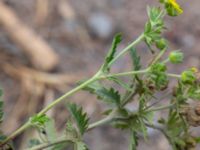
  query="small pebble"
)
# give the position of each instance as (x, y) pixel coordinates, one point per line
(100, 25)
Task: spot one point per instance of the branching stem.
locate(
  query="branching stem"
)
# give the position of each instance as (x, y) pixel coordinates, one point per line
(97, 76)
(138, 40)
(49, 144)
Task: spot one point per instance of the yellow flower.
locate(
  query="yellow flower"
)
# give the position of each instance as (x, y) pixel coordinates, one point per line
(176, 6)
(194, 69)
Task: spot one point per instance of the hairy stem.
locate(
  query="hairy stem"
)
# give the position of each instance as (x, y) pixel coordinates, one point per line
(49, 144)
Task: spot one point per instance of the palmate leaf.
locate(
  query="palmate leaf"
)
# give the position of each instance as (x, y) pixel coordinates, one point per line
(135, 59)
(79, 116)
(110, 56)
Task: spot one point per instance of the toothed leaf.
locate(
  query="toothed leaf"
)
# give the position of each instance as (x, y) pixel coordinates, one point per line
(135, 59)
(79, 116)
(111, 54)
(109, 95)
(39, 120)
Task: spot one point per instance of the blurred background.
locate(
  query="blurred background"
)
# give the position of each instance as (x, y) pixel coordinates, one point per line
(46, 46)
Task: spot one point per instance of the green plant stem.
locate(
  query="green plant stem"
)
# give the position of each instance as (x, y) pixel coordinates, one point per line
(109, 118)
(43, 111)
(138, 40)
(55, 102)
(165, 61)
(134, 73)
(105, 120)
(158, 56)
(94, 78)
(97, 76)
(52, 143)
(160, 108)
(17, 132)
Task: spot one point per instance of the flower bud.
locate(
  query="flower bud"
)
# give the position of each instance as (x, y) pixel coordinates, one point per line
(194, 69)
(176, 57)
(161, 44)
(188, 76)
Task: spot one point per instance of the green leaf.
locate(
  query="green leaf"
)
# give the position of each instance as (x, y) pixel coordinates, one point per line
(175, 127)
(33, 142)
(133, 140)
(121, 83)
(93, 87)
(107, 112)
(80, 146)
(39, 120)
(155, 14)
(197, 139)
(1, 107)
(50, 130)
(1, 92)
(135, 59)
(143, 128)
(137, 124)
(148, 116)
(154, 28)
(70, 128)
(148, 27)
(111, 54)
(109, 95)
(79, 116)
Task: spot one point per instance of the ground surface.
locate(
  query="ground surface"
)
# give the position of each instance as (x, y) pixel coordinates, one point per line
(82, 39)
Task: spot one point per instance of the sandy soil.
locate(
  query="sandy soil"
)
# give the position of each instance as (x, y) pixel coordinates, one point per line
(82, 39)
